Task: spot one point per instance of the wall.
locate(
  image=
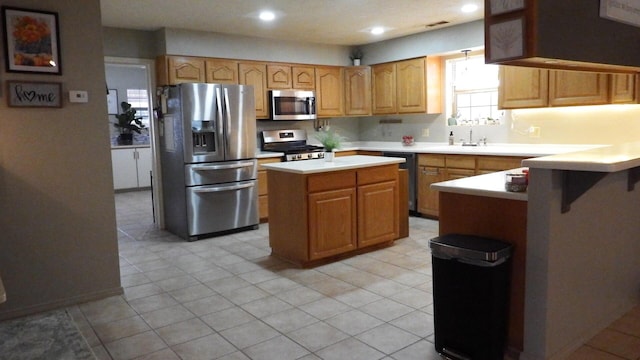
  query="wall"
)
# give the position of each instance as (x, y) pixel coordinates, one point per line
(57, 215)
(130, 43)
(582, 266)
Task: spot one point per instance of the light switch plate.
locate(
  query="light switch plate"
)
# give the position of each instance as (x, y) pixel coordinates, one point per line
(78, 96)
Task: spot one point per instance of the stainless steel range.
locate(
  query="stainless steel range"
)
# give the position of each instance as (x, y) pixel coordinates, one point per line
(293, 143)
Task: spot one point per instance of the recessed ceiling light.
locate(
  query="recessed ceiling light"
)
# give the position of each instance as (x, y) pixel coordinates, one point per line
(469, 8)
(267, 15)
(377, 30)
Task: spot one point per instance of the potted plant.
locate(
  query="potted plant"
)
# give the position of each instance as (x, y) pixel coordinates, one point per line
(331, 141)
(356, 56)
(127, 123)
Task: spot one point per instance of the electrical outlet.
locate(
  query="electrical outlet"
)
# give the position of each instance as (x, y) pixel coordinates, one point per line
(534, 132)
(425, 132)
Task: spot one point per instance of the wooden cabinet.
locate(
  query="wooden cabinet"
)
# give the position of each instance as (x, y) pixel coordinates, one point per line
(623, 88)
(303, 77)
(172, 70)
(357, 90)
(332, 223)
(255, 74)
(522, 87)
(378, 203)
(131, 168)
(329, 91)
(278, 76)
(434, 168)
(221, 71)
(567, 88)
(408, 86)
(383, 80)
(263, 195)
(431, 169)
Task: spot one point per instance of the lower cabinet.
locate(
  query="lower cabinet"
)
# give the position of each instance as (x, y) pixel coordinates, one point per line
(263, 194)
(332, 223)
(131, 168)
(377, 204)
(433, 168)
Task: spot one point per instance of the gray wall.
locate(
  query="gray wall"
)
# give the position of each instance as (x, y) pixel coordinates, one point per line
(57, 214)
(131, 43)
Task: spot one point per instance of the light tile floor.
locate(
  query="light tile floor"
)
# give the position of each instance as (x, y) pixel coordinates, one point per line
(227, 298)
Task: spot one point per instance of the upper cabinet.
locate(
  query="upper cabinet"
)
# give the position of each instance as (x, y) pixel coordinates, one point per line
(523, 87)
(173, 70)
(255, 74)
(585, 35)
(221, 71)
(329, 91)
(357, 90)
(278, 76)
(303, 77)
(408, 86)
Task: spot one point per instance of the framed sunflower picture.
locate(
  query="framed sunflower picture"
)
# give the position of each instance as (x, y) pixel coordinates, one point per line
(32, 41)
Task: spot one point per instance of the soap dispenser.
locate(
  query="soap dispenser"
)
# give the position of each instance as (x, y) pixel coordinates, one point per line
(451, 138)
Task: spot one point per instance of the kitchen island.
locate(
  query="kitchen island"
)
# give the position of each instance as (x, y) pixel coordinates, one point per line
(582, 249)
(320, 211)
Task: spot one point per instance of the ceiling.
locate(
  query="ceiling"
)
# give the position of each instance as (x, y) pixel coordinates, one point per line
(336, 22)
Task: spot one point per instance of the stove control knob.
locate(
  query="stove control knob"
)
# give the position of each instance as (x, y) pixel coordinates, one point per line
(309, 156)
(321, 155)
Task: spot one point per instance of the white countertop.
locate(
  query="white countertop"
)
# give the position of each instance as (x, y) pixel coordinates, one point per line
(339, 163)
(602, 159)
(524, 150)
(488, 185)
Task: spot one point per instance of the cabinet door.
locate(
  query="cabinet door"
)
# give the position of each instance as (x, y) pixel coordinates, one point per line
(428, 203)
(411, 86)
(221, 71)
(125, 173)
(567, 88)
(183, 69)
(378, 213)
(522, 87)
(143, 163)
(623, 88)
(256, 74)
(329, 98)
(489, 164)
(332, 223)
(263, 197)
(357, 88)
(303, 77)
(383, 79)
(453, 174)
(278, 76)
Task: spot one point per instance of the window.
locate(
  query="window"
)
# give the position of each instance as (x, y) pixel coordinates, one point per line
(472, 92)
(139, 100)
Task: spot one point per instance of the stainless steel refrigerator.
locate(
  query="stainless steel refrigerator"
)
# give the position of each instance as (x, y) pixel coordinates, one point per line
(209, 168)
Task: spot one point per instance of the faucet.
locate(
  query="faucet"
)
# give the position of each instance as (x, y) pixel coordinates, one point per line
(470, 136)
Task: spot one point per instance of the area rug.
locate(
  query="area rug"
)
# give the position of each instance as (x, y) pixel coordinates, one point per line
(51, 335)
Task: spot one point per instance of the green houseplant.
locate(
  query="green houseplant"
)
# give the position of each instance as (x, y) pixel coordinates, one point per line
(330, 140)
(127, 123)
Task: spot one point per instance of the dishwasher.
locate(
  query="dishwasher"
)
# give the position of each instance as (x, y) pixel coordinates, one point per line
(410, 165)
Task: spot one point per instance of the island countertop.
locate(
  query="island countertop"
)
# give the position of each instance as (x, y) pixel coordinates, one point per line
(339, 163)
(488, 185)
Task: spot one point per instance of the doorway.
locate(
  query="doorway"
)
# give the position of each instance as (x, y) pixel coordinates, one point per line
(132, 80)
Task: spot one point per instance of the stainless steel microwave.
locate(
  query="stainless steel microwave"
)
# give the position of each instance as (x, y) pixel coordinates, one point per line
(293, 105)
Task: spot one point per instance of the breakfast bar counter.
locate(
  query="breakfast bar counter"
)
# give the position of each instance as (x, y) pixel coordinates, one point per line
(320, 210)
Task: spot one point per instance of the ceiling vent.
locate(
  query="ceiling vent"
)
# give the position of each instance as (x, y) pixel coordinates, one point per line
(437, 24)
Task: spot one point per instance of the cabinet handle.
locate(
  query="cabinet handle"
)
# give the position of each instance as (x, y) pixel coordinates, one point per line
(426, 171)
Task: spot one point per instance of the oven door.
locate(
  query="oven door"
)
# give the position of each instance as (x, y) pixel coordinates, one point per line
(293, 105)
(221, 207)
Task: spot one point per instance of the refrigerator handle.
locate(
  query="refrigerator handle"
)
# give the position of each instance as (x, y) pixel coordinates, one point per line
(220, 109)
(227, 120)
(224, 188)
(224, 167)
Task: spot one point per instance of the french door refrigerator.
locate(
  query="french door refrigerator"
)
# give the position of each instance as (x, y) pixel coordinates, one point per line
(209, 167)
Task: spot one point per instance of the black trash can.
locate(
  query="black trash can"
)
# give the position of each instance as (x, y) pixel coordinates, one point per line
(470, 296)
